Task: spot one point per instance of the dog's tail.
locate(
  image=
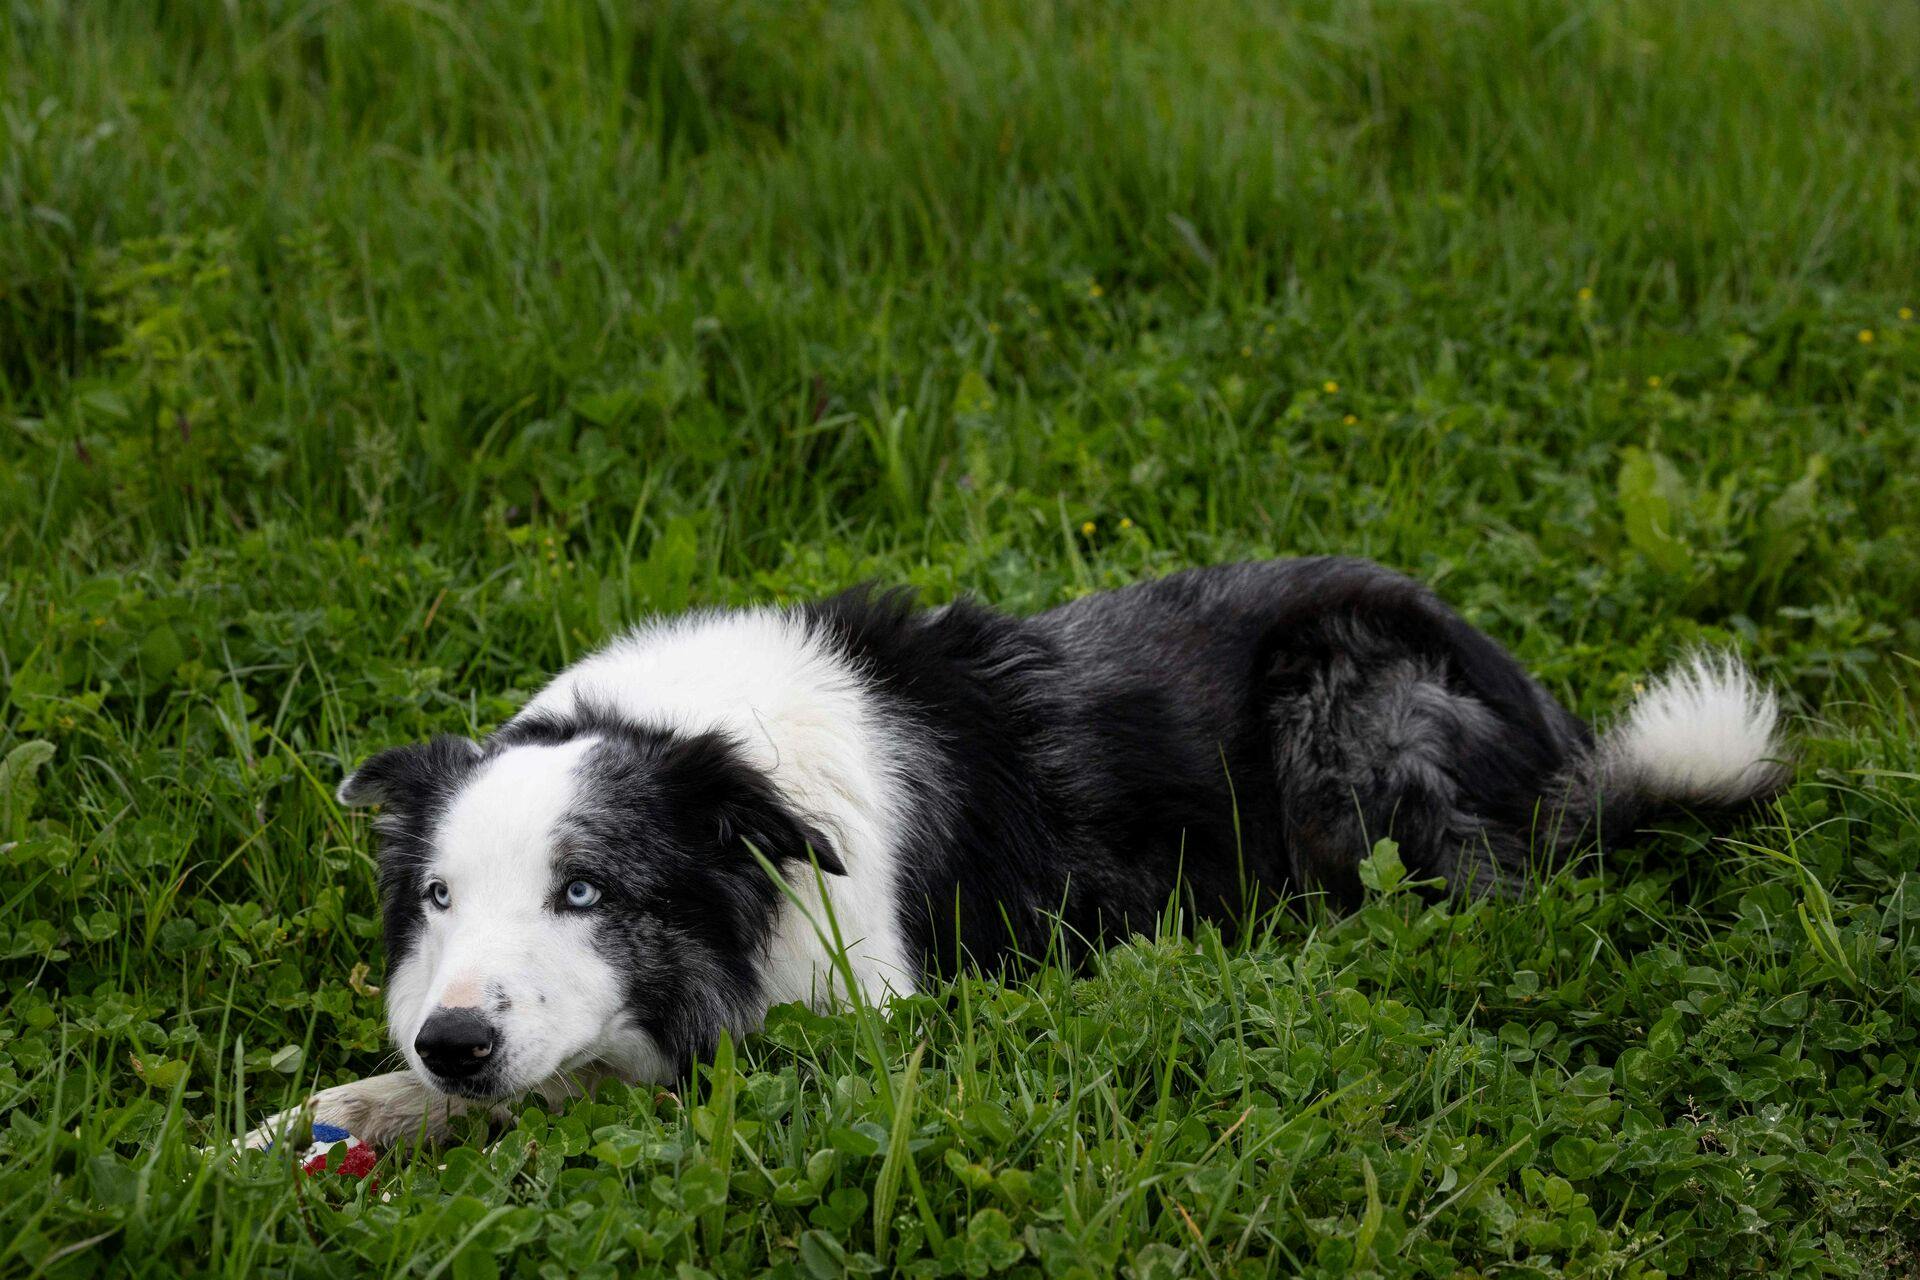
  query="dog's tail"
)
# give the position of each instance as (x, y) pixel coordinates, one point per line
(1704, 737)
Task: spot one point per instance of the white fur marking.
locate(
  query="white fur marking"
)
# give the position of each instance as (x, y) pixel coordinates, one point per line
(1704, 733)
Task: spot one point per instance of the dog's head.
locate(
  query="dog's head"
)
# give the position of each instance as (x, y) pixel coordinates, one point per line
(574, 894)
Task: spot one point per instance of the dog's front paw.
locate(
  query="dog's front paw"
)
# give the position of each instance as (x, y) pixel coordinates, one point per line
(379, 1110)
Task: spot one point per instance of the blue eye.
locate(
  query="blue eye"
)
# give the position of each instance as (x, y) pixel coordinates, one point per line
(582, 894)
(439, 894)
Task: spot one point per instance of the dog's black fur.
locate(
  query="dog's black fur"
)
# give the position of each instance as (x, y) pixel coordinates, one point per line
(1239, 731)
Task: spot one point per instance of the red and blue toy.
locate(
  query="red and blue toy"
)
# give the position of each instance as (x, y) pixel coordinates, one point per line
(358, 1161)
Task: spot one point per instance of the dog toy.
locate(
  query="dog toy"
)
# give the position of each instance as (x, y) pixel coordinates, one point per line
(358, 1161)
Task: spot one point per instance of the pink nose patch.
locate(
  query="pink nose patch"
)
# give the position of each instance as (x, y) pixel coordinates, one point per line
(462, 993)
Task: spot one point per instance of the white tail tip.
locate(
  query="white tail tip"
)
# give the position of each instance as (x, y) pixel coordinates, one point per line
(1706, 733)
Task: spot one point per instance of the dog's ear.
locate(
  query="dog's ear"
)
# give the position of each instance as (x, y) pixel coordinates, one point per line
(706, 779)
(410, 776)
(769, 826)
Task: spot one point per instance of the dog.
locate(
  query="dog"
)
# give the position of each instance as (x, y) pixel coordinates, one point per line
(725, 811)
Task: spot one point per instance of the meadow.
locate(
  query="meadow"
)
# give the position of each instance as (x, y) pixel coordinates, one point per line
(361, 363)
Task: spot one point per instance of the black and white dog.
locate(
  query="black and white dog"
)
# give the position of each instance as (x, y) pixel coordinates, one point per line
(577, 895)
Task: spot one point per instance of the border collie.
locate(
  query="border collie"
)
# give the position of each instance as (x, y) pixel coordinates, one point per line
(579, 894)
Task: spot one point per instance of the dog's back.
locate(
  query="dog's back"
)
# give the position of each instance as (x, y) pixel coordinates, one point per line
(1248, 731)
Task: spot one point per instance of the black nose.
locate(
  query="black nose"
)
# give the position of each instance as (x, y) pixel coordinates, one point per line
(454, 1043)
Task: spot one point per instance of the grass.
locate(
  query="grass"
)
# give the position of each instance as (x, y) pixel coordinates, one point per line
(361, 363)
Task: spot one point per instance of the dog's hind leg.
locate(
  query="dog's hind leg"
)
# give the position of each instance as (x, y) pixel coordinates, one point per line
(1366, 752)
(1391, 716)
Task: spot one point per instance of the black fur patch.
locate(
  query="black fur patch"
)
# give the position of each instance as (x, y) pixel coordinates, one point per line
(413, 786)
(1229, 735)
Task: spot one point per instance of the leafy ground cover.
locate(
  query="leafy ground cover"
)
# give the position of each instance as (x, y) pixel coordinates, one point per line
(361, 363)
